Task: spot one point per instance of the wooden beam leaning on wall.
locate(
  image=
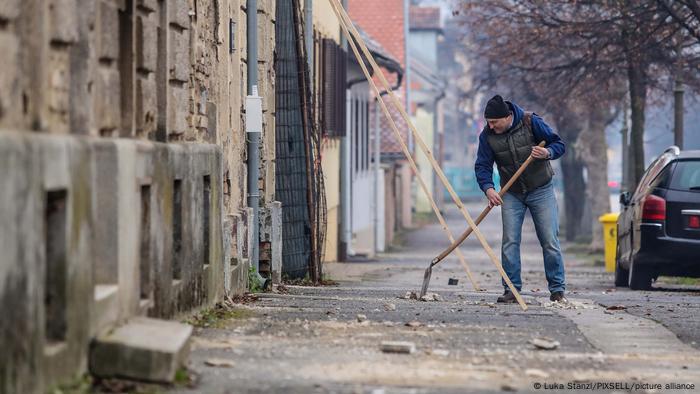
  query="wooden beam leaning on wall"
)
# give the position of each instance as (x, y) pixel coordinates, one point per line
(354, 37)
(413, 165)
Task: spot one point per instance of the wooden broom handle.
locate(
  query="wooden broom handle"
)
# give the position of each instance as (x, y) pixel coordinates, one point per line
(486, 210)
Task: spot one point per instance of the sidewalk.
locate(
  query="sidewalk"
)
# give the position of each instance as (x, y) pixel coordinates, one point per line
(328, 339)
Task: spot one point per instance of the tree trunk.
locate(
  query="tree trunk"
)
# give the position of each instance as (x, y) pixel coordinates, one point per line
(572, 176)
(636, 74)
(592, 148)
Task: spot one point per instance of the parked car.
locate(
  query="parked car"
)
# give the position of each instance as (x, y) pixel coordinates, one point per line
(658, 230)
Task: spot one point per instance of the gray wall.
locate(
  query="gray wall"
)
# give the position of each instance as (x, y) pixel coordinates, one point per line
(88, 241)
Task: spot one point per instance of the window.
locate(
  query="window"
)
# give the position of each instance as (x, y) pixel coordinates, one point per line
(686, 177)
(332, 88)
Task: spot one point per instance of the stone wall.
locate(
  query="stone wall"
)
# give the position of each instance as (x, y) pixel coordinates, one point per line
(122, 169)
(148, 69)
(101, 230)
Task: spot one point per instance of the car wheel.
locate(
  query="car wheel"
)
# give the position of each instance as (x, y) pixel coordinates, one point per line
(639, 277)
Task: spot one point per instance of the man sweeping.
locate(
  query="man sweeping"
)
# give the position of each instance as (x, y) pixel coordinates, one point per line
(509, 137)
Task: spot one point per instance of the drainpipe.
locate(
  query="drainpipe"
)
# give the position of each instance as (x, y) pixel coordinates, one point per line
(254, 127)
(377, 175)
(345, 186)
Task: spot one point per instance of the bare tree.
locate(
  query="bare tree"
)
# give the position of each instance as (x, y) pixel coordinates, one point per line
(685, 13)
(585, 56)
(583, 49)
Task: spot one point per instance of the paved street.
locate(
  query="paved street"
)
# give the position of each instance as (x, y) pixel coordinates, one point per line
(309, 339)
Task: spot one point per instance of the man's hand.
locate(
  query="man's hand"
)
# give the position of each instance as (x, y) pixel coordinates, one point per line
(539, 152)
(494, 198)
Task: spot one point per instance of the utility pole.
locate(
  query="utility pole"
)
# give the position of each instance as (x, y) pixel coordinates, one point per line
(678, 112)
(625, 151)
(678, 98)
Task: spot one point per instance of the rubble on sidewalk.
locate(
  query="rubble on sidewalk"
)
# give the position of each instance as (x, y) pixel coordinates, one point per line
(431, 297)
(410, 295)
(401, 347)
(438, 352)
(544, 343)
(220, 362)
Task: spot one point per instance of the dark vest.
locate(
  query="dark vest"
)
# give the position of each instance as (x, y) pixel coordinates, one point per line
(511, 149)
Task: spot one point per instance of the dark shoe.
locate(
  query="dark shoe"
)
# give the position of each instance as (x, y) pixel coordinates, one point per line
(507, 298)
(558, 296)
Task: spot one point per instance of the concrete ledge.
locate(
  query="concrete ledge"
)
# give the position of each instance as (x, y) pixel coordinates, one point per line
(106, 306)
(116, 193)
(144, 349)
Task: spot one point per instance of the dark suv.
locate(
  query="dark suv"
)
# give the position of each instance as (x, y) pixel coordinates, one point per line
(658, 230)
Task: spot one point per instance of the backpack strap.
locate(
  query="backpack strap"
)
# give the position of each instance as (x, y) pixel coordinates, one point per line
(527, 119)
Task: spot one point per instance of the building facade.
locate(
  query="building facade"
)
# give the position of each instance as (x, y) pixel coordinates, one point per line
(123, 166)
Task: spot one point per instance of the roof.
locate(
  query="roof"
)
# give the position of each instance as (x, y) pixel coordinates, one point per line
(381, 55)
(425, 18)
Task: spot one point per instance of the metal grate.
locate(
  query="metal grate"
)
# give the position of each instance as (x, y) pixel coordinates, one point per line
(299, 180)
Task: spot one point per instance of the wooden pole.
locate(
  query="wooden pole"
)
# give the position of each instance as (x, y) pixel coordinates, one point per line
(409, 157)
(352, 33)
(486, 210)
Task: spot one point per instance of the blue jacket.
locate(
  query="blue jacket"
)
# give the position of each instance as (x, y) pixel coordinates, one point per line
(485, 157)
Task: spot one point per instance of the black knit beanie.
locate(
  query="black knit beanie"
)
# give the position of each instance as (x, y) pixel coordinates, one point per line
(496, 108)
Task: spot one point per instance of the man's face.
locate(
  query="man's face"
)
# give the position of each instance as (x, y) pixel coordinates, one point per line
(500, 125)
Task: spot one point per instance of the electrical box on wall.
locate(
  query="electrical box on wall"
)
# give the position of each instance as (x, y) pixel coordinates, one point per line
(253, 112)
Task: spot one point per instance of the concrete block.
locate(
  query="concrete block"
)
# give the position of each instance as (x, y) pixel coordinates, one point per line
(240, 270)
(108, 30)
(146, 44)
(146, 105)
(401, 347)
(107, 99)
(117, 243)
(229, 247)
(179, 56)
(20, 282)
(178, 111)
(179, 13)
(9, 9)
(63, 21)
(276, 241)
(161, 230)
(65, 166)
(106, 307)
(144, 349)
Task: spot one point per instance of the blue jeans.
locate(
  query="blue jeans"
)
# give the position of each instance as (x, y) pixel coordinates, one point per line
(543, 208)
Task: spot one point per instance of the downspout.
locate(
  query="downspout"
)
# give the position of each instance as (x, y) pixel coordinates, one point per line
(377, 175)
(254, 126)
(345, 186)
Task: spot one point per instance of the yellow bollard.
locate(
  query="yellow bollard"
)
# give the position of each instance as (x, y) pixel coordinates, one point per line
(609, 221)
